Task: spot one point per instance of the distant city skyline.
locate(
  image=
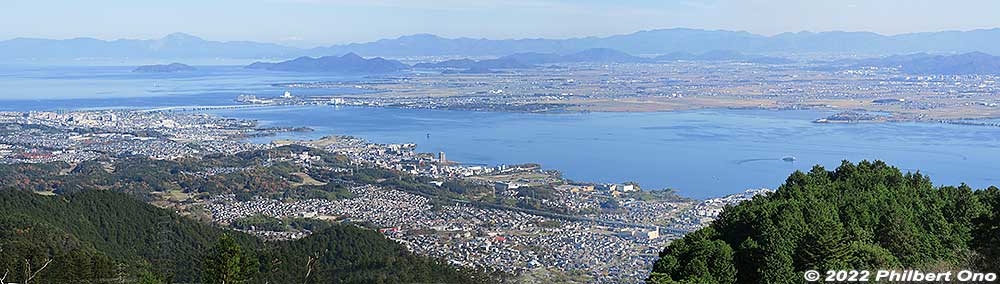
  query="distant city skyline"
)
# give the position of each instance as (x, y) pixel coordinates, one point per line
(309, 23)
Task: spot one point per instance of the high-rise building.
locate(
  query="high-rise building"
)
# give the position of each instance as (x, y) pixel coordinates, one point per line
(441, 158)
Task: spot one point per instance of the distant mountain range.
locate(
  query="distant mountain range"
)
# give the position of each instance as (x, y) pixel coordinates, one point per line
(532, 59)
(663, 41)
(974, 48)
(173, 46)
(351, 63)
(348, 64)
(598, 55)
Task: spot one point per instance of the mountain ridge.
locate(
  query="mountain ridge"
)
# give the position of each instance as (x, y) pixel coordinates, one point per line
(655, 41)
(350, 63)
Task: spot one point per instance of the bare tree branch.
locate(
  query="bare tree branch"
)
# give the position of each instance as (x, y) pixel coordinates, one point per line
(28, 275)
(3, 280)
(309, 267)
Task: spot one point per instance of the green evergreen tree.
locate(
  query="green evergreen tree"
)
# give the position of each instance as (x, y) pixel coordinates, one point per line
(698, 259)
(986, 232)
(229, 263)
(867, 215)
(825, 246)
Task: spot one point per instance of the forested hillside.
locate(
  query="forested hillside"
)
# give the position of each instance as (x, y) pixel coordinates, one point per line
(864, 216)
(101, 236)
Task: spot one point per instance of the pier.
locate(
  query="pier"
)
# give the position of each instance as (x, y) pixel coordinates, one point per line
(201, 108)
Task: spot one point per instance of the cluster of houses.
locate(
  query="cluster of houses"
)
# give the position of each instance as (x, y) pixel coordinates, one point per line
(611, 189)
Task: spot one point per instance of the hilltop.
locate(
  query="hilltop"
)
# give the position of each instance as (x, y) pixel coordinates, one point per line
(859, 216)
(347, 64)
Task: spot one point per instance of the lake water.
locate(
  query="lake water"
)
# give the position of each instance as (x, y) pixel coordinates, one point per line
(700, 153)
(82, 87)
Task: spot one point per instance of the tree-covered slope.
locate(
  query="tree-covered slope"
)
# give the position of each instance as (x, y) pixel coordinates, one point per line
(99, 236)
(864, 216)
(115, 231)
(337, 258)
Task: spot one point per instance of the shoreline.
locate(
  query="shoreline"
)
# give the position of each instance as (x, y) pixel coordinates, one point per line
(690, 187)
(642, 105)
(649, 171)
(968, 121)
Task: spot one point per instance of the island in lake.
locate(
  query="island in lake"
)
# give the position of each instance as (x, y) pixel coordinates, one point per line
(164, 68)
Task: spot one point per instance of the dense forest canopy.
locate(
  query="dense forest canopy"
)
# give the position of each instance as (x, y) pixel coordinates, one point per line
(860, 216)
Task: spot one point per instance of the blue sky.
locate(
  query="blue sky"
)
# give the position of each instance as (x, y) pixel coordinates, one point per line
(324, 22)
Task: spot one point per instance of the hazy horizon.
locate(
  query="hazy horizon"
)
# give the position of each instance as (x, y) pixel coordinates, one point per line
(195, 34)
(310, 23)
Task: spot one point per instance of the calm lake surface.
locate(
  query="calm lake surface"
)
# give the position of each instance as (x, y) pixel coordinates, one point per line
(700, 153)
(87, 87)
